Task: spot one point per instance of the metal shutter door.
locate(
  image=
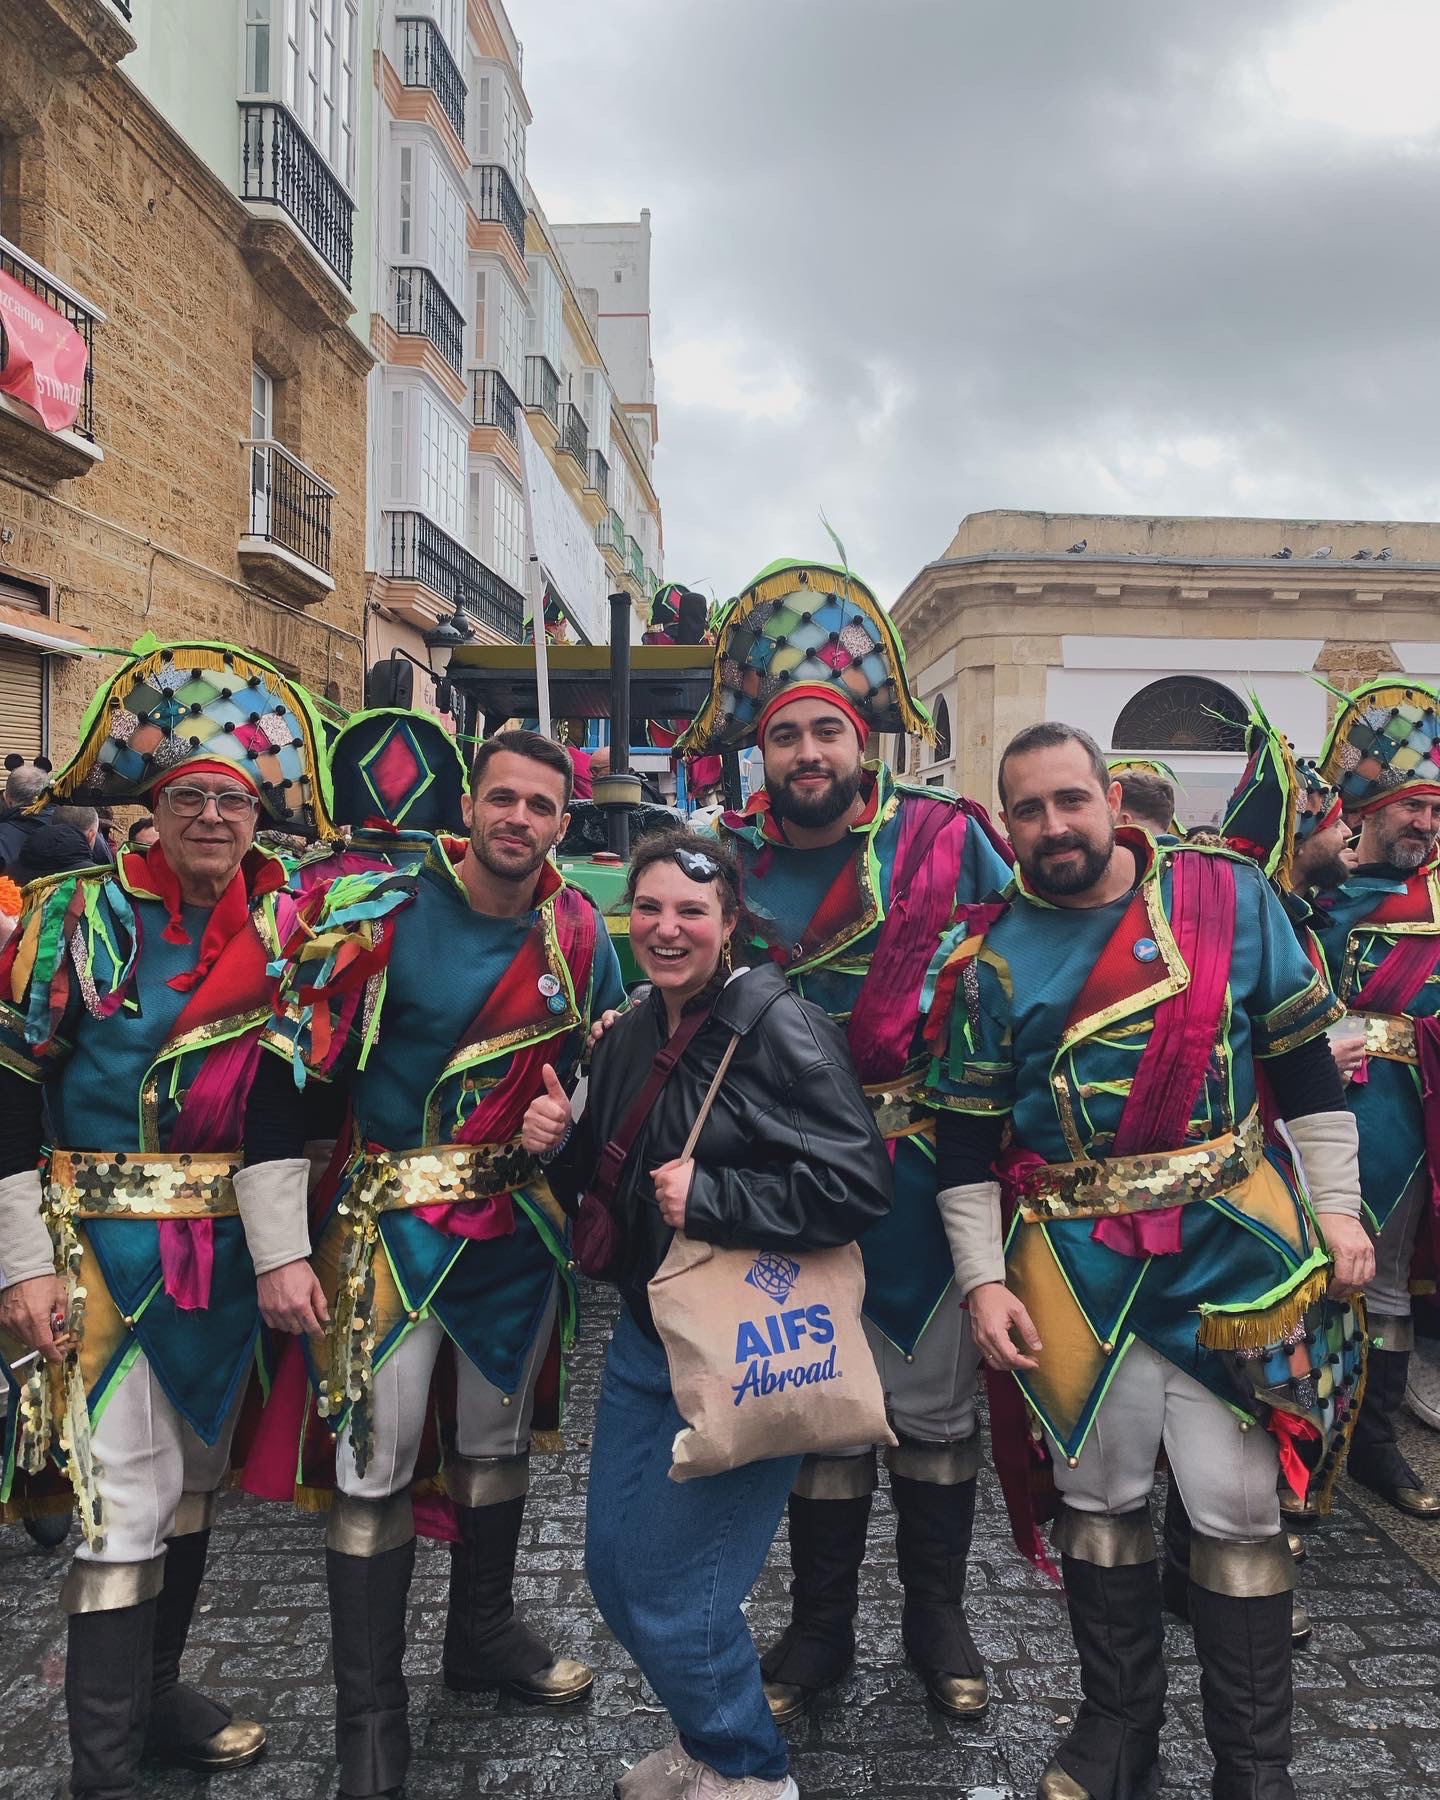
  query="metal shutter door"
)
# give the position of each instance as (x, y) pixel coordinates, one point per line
(22, 700)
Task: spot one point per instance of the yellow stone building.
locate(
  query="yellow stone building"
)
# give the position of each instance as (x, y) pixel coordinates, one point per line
(197, 233)
(1150, 632)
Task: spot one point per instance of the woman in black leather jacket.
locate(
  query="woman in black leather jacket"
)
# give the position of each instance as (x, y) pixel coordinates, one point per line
(789, 1158)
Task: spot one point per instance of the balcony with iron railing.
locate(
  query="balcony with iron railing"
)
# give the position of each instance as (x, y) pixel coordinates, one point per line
(575, 435)
(497, 201)
(617, 535)
(542, 389)
(420, 307)
(652, 580)
(279, 165)
(635, 557)
(23, 439)
(611, 549)
(426, 62)
(496, 402)
(421, 551)
(598, 478)
(286, 548)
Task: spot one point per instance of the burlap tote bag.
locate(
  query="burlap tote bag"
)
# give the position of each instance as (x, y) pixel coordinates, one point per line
(767, 1354)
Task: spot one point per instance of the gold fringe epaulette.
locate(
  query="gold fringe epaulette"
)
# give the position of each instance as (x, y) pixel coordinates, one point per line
(1268, 1325)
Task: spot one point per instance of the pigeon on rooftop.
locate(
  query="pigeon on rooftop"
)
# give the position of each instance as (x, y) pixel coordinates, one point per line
(1321, 553)
(1283, 554)
(1075, 549)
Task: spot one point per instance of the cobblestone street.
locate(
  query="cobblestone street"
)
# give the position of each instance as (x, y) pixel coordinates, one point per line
(1367, 1719)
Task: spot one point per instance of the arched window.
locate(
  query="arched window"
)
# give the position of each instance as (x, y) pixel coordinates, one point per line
(1182, 712)
(942, 731)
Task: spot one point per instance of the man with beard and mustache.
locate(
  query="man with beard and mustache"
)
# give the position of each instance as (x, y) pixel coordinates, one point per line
(440, 997)
(1153, 1277)
(855, 875)
(1381, 938)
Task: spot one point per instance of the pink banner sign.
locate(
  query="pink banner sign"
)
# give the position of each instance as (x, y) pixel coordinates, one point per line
(43, 360)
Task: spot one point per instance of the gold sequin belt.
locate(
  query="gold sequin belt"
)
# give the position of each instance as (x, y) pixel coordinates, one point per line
(441, 1174)
(892, 1103)
(1390, 1036)
(1132, 1184)
(109, 1184)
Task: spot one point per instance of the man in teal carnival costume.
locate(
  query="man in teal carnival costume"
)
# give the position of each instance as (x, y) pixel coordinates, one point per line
(1161, 1280)
(439, 997)
(132, 1002)
(856, 875)
(1381, 939)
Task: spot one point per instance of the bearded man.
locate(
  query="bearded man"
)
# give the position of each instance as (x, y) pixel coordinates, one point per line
(440, 997)
(1154, 1278)
(855, 875)
(1381, 938)
(140, 1255)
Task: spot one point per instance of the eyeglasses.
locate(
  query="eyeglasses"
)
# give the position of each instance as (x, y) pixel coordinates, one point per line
(697, 865)
(232, 804)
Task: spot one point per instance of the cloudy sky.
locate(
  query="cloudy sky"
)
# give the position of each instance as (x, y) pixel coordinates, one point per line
(916, 258)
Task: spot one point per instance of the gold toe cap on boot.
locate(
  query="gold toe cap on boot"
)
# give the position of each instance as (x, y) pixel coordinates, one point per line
(1055, 1784)
(962, 1696)
(1297, 1546)
(1299, 1625)
(563, 1683)
(1420, 1503)
(786, 1700)
(233, 1746)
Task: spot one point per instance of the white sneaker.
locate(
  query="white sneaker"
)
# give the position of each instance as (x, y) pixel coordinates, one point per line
(709, 1784)
(660, 1776)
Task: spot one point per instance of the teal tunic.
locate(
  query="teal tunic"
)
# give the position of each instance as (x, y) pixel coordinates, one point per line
(444, 962)
(1387, 1105)
(109, 1086)
(908, 1267)
(1020, 1046)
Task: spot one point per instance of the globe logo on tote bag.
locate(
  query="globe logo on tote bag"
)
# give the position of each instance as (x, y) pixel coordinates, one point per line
(774, 1275)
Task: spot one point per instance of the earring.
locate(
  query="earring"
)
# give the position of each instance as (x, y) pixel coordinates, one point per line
(727, 964)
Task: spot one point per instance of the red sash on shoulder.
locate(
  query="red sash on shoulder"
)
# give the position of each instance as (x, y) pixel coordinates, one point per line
(921, 900)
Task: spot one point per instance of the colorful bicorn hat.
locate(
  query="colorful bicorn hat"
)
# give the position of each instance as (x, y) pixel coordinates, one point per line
(170, 704)
(1260, 817)
(392, 769)
(1142, 765)
(805, 627)
(1385, 743)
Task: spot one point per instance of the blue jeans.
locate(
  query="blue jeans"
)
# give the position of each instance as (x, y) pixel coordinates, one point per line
(669, 1562)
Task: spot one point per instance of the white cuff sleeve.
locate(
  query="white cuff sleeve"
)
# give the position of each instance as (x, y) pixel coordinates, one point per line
(971, 1217)
(272, 1198)
(1329, 1146)
(25, 1246)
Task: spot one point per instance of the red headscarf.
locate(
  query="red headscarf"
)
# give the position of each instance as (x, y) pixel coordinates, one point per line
(813, 690)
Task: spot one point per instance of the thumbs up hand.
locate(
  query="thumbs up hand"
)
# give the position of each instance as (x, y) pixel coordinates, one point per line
(547, 1118)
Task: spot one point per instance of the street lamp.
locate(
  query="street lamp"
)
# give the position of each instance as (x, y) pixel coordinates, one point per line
(442, 640)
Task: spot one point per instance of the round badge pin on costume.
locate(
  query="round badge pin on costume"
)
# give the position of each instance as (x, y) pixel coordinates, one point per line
(809, 668)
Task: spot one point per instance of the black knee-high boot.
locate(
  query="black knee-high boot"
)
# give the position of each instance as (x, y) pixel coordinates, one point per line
(1175, 1573)
(1112, 1590)
(828, 1521)
(486, 1643)
(1376, 1459)
(369, 1562)
(108, 1660)
(187, 1726)
(1242, 1637)
(936, 1517)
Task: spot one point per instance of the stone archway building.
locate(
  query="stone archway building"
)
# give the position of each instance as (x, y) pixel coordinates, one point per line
(1158, 628)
